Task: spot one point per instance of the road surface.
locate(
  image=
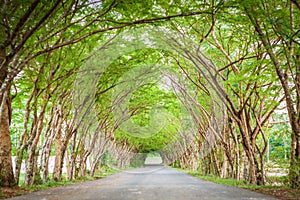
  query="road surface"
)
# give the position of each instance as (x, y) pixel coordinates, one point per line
(149, 183)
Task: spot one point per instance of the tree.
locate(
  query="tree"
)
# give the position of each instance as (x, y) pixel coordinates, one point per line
(44, 44)
(40, 27)
(6, 171)
(276, 32)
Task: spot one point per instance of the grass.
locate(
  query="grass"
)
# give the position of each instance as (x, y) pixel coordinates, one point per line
(21, 189)
(98, 174)
(218, 180)
(278, 191)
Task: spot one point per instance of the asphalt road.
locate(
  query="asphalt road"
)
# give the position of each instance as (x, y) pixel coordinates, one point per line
(152, 182)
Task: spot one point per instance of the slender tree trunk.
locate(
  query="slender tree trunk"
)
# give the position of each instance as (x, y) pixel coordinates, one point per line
(6, 168)
(31, 168)
(73, 156)
(47, 146)
(22, 144)
(94, 165)
(96, 162)
(63, 150)
(46, 152)
(68, 166)
(37, 176)
(228, 158)
(99, 150)
(249, 151)
(224, 167)
(58, 151)
(29, 175)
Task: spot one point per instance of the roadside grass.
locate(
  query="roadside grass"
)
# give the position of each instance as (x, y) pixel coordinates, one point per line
(50, 184)
(280, 190)
(22, 189)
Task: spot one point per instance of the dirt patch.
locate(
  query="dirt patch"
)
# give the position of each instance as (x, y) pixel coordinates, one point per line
(281, 193)
(6, 192)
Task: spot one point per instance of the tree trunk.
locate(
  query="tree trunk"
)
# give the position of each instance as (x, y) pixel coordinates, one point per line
(295, 151)
(293, 110)
(68, 166)
(31, 164)
(58, 149)
(294, 173)
(48, 141)
(6, 168)
(22, 144)
(29, 175)
(224, 167)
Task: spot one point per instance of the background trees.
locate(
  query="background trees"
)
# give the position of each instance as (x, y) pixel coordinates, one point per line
(255, 52)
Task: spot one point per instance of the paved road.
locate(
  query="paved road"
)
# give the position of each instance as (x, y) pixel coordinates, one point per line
(152, 182)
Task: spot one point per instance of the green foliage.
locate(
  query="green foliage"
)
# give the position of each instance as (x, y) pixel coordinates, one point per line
(47, 78)
(138, 160)
(279, 140)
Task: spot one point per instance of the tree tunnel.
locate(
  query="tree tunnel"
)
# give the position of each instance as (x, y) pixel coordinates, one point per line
(146, 83)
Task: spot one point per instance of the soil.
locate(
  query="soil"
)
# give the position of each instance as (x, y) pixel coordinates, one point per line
(281, 193)
(6, 192)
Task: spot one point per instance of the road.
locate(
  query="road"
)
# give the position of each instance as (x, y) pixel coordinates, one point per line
(149, 183)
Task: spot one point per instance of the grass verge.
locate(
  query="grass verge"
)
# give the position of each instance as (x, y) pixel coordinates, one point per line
(280, 192)
(6, 192)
